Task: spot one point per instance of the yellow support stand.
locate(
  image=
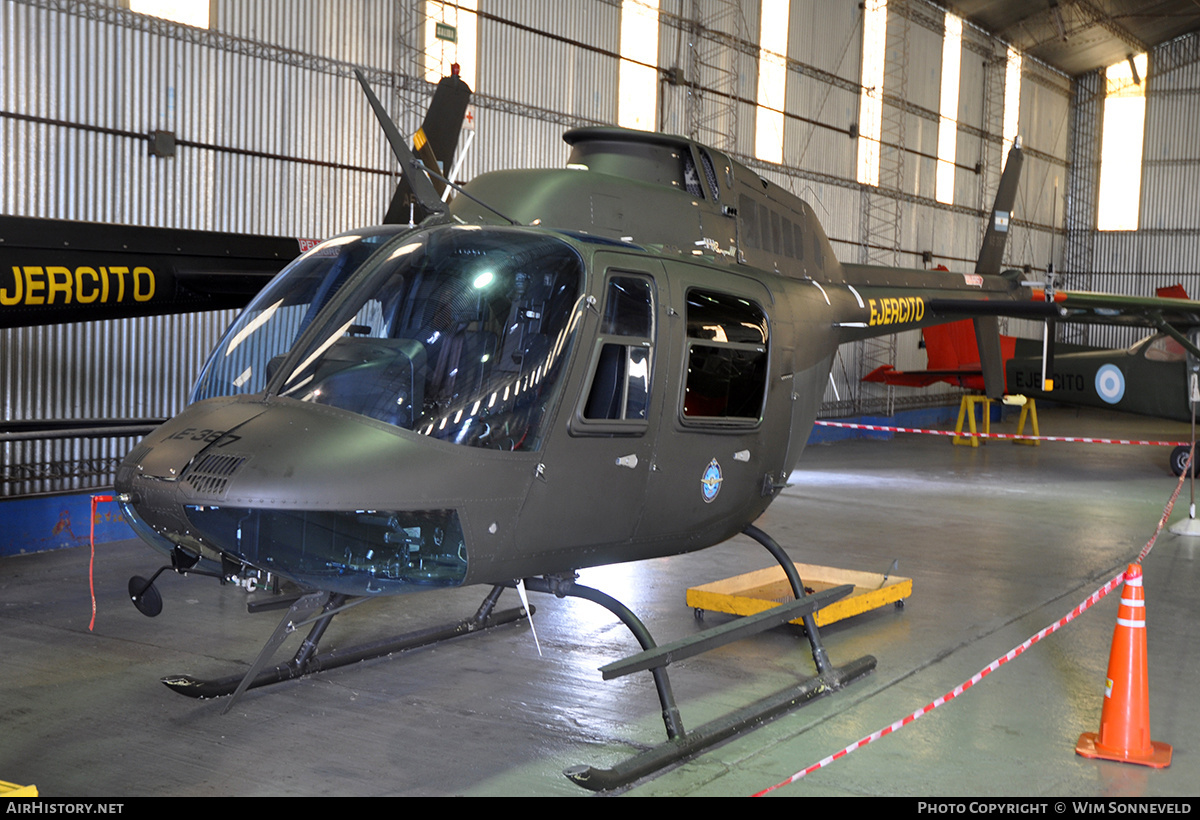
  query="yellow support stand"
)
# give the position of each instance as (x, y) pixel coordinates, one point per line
(1028, 411)
(966, 411)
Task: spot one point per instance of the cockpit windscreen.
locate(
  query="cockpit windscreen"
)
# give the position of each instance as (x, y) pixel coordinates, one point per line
(460, 334)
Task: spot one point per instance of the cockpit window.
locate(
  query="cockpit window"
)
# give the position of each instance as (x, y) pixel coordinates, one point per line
(255, 343)
(460, 334)
(1162, 348)
(620, 385)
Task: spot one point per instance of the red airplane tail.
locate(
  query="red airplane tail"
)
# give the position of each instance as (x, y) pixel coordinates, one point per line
(951, 346)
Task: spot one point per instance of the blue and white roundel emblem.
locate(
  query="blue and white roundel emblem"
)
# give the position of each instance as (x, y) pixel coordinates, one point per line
(1110, 384)
(710, 484)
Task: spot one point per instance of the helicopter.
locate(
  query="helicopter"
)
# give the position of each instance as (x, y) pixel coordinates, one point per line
(562, 368)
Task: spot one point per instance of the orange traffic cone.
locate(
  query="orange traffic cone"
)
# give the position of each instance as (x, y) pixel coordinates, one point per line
(1125, 720)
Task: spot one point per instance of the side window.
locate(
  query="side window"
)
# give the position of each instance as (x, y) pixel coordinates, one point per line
(726, 379)
(619, 391)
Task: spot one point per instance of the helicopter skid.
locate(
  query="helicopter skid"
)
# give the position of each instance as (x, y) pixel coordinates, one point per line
(217, 687)
(710, 734)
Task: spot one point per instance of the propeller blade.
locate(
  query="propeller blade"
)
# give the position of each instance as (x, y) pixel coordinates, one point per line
(444, 119)
(423, 148)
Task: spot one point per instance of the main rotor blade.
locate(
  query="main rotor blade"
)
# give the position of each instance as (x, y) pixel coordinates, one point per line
(424, 151)
(410, 167)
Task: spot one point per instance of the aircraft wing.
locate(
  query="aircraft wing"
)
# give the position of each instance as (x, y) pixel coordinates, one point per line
(54, 271)
(1173, 316)
(1142, 311)
(970, 378)
(1081, 306)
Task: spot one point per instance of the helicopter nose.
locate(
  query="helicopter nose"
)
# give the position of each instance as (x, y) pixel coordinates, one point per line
(322, 497)
(148, 480)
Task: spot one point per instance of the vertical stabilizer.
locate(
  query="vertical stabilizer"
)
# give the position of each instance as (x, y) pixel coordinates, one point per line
(991, 257)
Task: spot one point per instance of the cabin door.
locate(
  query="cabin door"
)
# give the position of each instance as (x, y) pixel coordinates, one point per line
(714, 443)
(593, 479)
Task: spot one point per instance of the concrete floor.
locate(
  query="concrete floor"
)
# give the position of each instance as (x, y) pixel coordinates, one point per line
(1000, 541)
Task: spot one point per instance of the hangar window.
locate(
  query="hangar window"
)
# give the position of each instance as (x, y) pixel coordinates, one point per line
(870, 104)
(726, 379)
(1012, 101)
(948, 126)
(451, 36)
(637, 79)
(1121, 145)
(772, 81)
(619, 394)
(189, 12)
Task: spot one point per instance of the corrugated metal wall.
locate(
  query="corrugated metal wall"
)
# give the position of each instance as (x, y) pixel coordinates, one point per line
(276, 139)
(260, 128)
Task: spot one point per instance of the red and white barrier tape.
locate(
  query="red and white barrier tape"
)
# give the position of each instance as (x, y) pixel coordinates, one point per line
(1078, 439)
(1091, 600)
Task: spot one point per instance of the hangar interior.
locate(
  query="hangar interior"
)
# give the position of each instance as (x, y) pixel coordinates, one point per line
(272, 137)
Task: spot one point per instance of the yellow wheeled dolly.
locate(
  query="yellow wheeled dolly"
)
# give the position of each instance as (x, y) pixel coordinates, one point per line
(763, 589)
(13, 790)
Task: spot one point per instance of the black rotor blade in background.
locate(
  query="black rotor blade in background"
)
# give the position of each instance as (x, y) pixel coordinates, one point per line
(54, 271)
(991, 253)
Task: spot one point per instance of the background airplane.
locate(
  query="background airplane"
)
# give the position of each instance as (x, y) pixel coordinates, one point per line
(1150, 377)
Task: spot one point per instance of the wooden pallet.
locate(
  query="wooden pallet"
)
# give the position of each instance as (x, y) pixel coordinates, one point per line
(757, 591)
